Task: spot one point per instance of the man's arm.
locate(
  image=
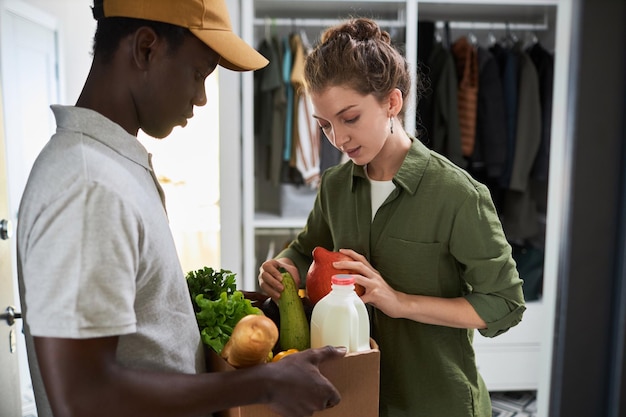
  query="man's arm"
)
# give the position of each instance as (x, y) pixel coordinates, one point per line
(82, 377)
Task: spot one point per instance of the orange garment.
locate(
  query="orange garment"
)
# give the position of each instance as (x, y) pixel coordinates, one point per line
(305, 152)
(466, 59)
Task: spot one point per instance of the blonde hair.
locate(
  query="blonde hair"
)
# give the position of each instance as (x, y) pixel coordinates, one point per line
(358, 54)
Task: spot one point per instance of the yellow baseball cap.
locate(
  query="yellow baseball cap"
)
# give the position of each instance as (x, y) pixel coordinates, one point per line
(207, 19)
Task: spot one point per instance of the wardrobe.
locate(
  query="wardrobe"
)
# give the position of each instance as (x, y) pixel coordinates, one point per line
(274, 209)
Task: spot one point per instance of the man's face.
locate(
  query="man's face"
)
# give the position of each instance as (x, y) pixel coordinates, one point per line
(173, 85)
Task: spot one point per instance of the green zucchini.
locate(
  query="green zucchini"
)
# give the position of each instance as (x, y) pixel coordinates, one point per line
(295, 332)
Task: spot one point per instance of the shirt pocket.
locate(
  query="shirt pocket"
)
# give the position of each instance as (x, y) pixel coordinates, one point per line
(410, 267)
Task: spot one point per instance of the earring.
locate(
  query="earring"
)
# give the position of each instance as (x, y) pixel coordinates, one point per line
(391, 124)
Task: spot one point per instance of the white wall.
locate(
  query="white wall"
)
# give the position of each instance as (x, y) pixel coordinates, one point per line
(76, 29)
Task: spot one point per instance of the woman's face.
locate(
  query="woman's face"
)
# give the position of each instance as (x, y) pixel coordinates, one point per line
(355, 124)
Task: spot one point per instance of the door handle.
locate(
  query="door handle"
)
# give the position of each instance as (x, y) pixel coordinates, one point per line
(6, 229)
(10, 315)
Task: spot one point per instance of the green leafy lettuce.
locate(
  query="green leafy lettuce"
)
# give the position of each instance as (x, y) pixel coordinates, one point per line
(218, 304)
(218, 318)
(211, 283)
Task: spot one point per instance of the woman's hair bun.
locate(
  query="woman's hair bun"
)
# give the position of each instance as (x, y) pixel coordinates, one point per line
(359, 55)
(358, 29)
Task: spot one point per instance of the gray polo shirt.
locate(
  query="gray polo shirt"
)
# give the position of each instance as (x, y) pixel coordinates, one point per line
(95, 253)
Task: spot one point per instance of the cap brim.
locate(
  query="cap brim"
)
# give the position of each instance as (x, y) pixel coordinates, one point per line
(235, 53)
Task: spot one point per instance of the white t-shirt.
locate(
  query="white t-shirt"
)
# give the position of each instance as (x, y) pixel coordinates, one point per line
(95, 253)
(380, 190)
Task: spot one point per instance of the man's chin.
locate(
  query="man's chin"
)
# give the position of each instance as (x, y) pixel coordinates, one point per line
(160, 134)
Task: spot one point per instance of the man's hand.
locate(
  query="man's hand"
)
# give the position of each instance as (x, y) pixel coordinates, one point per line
(298, 388)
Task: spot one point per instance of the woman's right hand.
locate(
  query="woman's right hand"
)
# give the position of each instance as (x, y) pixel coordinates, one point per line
(270, 277)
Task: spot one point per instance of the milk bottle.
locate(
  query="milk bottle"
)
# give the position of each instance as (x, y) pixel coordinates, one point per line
(340, 318)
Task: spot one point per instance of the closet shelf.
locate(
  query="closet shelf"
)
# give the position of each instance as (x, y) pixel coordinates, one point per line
(269, 221)
(491, 15)
(328, 9)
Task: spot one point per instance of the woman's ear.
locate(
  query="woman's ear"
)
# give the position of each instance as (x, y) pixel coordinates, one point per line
(395, 102)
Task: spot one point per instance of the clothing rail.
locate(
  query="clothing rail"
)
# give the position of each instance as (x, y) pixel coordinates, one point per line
(494, 25)
(322, 23)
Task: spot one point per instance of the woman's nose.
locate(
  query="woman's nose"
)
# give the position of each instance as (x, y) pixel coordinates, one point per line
(339, 138)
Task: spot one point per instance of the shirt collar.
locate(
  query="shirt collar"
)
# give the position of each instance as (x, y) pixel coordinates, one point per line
(411, 171)
(96, 126)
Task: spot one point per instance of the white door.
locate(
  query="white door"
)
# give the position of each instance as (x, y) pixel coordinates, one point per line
(9, 366)
(29, 84)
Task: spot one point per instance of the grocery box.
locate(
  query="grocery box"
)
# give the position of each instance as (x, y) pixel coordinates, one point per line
(356, 376)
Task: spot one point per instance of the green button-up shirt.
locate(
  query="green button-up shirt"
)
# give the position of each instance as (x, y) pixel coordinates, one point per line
(437, 234)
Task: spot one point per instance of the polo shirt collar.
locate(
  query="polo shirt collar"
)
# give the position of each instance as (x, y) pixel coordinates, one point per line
(96, 126)
(411, 171)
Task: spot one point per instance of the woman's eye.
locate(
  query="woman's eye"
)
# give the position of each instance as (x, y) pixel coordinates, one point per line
(325, 127)
(353, 120)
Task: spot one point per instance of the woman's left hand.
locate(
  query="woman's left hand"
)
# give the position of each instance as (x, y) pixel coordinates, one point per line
(377, 292)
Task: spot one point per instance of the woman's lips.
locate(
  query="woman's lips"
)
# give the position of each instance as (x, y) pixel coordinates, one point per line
(353, 152)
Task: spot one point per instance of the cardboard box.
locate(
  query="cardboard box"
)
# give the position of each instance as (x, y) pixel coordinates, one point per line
(356, 376)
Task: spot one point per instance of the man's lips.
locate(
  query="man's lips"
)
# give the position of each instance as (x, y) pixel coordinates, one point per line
(185, 119)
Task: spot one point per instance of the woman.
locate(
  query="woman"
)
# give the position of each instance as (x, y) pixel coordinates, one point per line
(424, 237)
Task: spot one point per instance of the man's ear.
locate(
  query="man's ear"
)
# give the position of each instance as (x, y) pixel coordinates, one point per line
(145, 42)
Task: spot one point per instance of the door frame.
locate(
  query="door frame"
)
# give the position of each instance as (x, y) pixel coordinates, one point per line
(585, 366)
(10, 364)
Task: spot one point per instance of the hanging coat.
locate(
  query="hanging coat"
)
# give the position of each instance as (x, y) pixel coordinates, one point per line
(466, 60)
